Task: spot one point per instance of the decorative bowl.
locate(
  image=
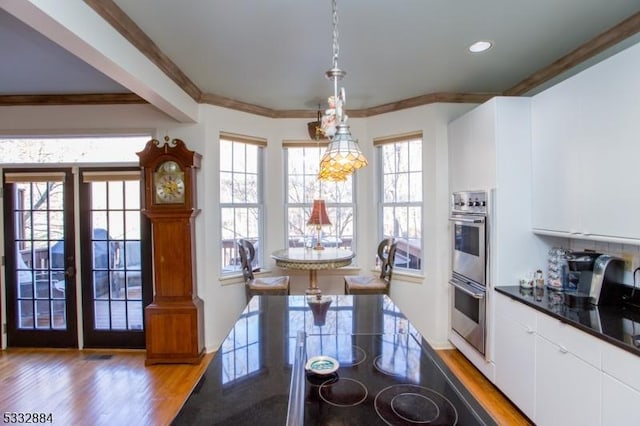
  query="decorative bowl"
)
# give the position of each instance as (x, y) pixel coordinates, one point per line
(322, 365)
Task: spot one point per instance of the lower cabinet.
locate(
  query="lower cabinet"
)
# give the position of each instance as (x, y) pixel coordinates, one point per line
(568, 390)
(515, 355)
(559, 375)
(620, 403)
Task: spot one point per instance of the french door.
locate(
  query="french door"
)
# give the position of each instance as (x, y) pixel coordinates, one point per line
(39, 258)
(116, 258)
(40, 247)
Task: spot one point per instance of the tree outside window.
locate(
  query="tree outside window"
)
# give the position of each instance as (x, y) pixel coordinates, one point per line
(401, 197)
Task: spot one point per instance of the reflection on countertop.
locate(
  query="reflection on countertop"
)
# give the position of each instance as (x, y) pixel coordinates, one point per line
(615, 323)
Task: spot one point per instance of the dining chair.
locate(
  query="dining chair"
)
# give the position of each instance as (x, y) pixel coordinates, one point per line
(265, 286)
(370, 284)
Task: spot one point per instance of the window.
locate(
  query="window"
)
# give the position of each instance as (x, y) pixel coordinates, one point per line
(241, 203)
(302, 187)
(401, 196)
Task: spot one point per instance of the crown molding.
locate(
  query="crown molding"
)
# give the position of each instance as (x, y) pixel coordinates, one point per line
(608, 38)
(72, 99)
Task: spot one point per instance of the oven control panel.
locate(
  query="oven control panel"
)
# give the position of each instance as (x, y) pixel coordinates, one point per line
(469, 202)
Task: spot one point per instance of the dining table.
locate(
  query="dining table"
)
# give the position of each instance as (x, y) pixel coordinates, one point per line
(312, 260)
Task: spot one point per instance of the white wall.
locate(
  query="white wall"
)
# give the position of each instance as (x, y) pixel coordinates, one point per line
(424, 299)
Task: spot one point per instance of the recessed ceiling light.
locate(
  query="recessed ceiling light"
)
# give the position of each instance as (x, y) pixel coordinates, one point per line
(480, 46)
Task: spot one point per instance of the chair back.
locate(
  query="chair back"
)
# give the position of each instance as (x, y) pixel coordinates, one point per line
(247, 253)
(387, 255)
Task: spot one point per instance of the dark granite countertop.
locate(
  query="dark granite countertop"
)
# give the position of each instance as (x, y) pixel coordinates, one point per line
(379, 351)
(615, 323)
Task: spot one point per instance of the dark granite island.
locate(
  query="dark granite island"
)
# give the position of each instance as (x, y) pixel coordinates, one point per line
(388, 374)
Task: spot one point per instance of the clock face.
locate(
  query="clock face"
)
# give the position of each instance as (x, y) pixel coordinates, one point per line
(169, 183)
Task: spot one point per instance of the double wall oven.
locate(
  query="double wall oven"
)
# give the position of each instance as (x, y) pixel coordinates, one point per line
(468, 217)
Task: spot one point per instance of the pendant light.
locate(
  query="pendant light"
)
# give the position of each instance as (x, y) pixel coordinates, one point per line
(343, 155)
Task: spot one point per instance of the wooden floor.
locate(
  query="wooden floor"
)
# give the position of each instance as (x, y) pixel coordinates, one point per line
(94, 388)
(487, 395)
(115, 387)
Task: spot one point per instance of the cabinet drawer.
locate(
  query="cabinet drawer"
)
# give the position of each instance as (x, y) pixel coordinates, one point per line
(569, 338)
(621, 365)
(507, 308)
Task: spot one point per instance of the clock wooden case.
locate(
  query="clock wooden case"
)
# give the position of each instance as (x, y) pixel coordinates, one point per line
(175, 319)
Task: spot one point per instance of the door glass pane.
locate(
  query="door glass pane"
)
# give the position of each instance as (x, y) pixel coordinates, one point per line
(116, 257)
(39, 245)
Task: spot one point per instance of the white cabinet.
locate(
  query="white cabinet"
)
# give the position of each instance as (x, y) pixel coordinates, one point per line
(515, 353)
(584, 154)
(559, 375)
(472, 149)
(556, 189)
(620, 387)
(619, 403)
(568, 390)
(568, 374)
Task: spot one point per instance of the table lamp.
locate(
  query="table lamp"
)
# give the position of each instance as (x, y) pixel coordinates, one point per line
(319, 218)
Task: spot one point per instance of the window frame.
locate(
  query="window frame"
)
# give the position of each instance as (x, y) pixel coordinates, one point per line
(261, 144)
(379, 144)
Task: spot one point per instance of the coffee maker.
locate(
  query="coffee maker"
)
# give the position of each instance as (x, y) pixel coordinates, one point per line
(607, 270)
(580, 271)
(590, 278)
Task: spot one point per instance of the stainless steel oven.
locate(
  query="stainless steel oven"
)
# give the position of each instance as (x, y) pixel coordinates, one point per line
(469, 266)
(468, 223)
(468, 313)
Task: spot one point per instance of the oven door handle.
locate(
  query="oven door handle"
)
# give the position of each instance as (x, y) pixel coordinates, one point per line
(466, 220)
(475, 294)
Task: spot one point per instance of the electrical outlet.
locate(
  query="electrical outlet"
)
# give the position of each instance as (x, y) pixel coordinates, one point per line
(628, 261)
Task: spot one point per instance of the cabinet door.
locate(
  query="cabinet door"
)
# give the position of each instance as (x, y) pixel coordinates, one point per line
(515, 363)
(568, 390)
(472, 149)
(611, 152)
(555, 162)
(619, 403)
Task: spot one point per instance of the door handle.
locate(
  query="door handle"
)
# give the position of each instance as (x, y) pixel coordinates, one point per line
(70, 272)
(475, 295)
(466, 220)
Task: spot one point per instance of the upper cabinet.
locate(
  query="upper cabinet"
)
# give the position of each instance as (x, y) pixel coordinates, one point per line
(586, 152)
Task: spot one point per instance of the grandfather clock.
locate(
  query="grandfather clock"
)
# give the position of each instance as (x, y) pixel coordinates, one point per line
(175, 319)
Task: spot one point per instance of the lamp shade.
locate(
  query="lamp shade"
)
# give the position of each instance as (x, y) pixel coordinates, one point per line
(319, 215)
(342, 157)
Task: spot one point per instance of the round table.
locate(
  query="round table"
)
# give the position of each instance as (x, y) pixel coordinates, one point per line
(312, 260)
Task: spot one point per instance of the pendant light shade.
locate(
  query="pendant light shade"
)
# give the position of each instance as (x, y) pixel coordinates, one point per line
(342, 157)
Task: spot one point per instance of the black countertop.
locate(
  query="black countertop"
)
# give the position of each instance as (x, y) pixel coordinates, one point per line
(386, 367)
(614, 323)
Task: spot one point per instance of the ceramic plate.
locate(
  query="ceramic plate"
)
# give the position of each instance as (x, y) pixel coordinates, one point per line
(322, 365)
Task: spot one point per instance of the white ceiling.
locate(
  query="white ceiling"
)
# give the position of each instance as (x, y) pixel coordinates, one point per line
(274, 53)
